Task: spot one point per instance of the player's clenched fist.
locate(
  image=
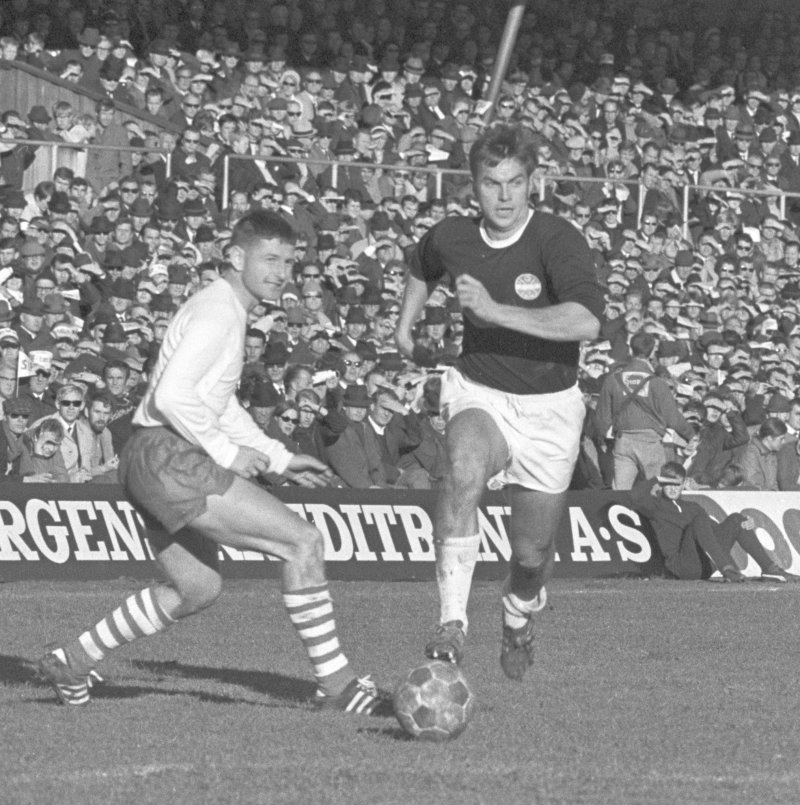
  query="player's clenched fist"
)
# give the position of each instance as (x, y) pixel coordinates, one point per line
(473, 296)
(249, 462)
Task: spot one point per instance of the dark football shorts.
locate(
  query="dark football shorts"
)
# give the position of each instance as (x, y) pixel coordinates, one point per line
(169, 479)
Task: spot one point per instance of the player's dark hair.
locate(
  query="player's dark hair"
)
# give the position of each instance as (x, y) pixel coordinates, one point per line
(253, 332)
(262, 225)
(672, 469)
(503, 142)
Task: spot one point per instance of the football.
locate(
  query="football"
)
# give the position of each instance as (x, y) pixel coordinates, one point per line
(434, 702)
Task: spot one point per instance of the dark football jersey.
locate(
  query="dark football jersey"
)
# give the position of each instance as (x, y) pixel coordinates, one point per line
(548, 264)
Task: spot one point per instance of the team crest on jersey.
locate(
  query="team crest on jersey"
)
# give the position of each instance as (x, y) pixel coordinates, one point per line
(527, 286)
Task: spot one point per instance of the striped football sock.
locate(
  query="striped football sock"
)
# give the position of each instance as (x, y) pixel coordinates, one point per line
(517, 612)
(138, 616)
(311, 613)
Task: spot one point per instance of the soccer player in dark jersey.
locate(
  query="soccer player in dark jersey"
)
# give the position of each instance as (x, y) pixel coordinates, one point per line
(513, 409)
(188, 467)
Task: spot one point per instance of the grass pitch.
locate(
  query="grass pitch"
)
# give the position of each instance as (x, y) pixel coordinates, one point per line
(642, 692)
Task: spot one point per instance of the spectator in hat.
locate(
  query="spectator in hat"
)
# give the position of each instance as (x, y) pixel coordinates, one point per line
(426, 462)
(638, 407)
(98, 238)
(313, 344)
(356, 325)
(296, 321)
(30, 327)
(759, 461)
(36, 391)
(367, 453)
(32, 259)
(17, 412)
(318, 427)
(276, 357)
(433, 346)
(789, 453)
(15, 159)
(179, 277)
(721, 435)
(790, 161)
(260, 401)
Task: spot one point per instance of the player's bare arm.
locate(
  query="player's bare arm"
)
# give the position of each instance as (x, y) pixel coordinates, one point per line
(249, 462)
(568, 321)
(414, 298)
(309, 472)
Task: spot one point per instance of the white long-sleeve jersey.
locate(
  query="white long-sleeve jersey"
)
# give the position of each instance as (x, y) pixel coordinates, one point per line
(192, 388)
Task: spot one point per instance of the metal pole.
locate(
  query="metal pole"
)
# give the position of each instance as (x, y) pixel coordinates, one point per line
(686, 211)
(640, 209)
(226, 164)
(507, 42)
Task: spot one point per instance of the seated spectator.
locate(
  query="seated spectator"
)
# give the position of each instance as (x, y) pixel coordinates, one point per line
(38, 391)
(789, 464)
(261, 401)
(759, 461)
(281, 427)
(94, 438)
(426, 462)
(367, 453)
(69, 402)
(434, 347)
(16, 413)
(41, 460)
(717, 443)
(318, 427)
(687, 536)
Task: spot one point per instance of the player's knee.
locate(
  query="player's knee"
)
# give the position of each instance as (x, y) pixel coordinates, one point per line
(308, 548)
(199, 591)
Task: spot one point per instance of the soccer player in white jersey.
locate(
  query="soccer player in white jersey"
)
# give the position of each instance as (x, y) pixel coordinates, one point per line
(526, 284)
(188, 467)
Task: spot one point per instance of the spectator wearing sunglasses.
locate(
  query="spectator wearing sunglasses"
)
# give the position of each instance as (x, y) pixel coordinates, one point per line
(281, 427)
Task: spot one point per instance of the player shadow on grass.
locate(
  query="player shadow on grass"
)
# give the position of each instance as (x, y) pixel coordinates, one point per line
(276, 686)
(22, 671)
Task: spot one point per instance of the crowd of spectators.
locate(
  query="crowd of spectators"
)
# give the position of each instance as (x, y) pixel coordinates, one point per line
(94, 262)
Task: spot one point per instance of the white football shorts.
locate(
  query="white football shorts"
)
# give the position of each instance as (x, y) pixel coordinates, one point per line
(542, 431)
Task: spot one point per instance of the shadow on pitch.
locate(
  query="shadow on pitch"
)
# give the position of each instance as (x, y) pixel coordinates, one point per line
(276, 686)
(391, 732)
(22, 671)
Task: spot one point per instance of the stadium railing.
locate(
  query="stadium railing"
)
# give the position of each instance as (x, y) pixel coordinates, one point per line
(50, 150)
